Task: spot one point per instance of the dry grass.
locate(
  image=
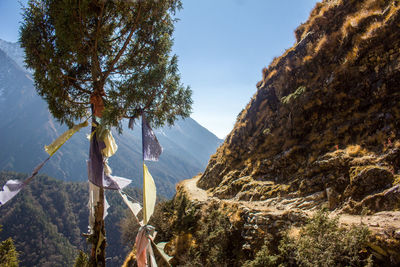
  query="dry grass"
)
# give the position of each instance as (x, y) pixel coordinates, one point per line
(321, 43)
(307, 58)
(394, 10)
(271, 74)
(353, 54)
(372, 30)
(355, 20)
(356, 151)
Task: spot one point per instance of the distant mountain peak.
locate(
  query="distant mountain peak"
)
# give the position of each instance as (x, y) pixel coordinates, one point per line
(14, 51)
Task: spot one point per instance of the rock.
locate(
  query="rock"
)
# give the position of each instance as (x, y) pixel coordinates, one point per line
(366, 180)
(332, 197)
(397, 234)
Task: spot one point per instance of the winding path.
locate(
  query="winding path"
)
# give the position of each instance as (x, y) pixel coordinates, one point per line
(378, 222)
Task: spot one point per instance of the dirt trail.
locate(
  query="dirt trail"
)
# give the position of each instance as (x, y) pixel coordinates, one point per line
(193, 192)
(378, 222)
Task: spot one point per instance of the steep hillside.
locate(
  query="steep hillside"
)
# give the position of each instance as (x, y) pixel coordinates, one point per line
(325, 118)
(319, 138)
(26, 126)
(47, 219)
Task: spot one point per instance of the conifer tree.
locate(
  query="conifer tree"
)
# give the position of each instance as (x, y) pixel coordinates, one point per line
(110, 56)
(8, 253)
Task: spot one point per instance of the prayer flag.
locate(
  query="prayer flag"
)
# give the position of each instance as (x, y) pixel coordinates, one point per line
(95, 163)
(94, 198)
(151, 148)
(10, 189)
(149, 195)
(53, 147)
(115, 182)
(133, 206)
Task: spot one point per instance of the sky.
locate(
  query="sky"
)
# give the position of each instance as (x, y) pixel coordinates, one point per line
(222, 47)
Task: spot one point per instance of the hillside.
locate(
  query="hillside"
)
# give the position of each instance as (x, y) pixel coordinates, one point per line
(47, 219)
(320, 133)
(26, 126)
(325, 117)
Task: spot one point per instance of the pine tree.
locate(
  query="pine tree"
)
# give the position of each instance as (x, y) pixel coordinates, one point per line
(110, 56)
(8, 253)
(82, 260)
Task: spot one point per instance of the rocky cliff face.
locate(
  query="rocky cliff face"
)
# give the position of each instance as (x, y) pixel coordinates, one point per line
(325, 117)
(322, 131)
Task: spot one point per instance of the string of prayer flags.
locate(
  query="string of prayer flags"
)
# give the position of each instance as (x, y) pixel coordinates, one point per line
(144, 239)
(13, 187)
(150, 146)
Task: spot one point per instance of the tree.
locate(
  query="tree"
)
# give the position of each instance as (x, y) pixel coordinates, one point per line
(113, 56)
(8, 253)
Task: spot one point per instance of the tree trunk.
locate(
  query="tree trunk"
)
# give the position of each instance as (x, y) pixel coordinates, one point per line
(98, 254)
(98, 237)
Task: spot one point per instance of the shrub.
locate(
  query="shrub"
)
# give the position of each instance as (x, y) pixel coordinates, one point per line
(321, 242)
(219, 241)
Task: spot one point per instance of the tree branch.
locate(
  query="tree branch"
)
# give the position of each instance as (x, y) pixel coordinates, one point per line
(122, 50)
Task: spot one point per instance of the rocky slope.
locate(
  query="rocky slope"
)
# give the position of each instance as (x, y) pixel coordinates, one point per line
(325, 118)
(322, 131)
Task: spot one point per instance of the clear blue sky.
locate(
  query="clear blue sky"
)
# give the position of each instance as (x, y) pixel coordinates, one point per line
(222, 46)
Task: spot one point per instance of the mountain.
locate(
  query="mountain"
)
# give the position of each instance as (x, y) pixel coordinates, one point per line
(13, 51)
(47, 219)
(325, 117)
(320, 138)
(26, 126)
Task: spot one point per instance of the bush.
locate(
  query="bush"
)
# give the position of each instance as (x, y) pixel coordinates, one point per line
(218, 241)
(321, 242)
(263, 258)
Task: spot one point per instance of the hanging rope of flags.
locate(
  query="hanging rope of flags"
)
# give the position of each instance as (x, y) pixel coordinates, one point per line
(12, 187)
(103, 146)
(151, 150)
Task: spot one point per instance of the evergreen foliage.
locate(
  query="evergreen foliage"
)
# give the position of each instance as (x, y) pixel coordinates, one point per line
(119, 50)
(8, 253)
(82, 260)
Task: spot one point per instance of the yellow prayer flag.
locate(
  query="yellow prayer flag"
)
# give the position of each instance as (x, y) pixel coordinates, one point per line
(53, 147)
(111, 146)
(149, 194)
